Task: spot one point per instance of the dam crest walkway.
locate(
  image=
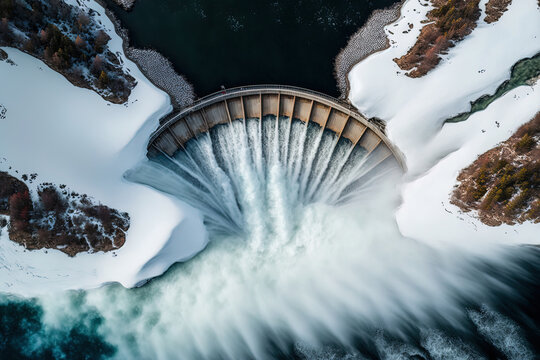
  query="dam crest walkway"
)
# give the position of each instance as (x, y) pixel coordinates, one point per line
(256, 102)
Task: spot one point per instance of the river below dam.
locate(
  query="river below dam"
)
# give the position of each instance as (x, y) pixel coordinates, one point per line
(304, 261)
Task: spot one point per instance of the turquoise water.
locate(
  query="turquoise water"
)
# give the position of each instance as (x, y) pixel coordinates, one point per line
(25, 335)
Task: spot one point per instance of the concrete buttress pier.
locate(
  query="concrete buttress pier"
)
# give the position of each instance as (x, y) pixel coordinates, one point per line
(256, 102)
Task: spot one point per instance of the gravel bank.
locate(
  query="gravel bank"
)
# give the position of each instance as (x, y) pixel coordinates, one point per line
(159, 70)
(366, 41)
(126, 4)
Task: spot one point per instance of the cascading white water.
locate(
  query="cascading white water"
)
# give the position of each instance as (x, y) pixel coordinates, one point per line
(252, 177)
(303, 250)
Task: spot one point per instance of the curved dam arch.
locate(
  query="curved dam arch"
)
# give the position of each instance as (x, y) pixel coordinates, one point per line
(258, 102)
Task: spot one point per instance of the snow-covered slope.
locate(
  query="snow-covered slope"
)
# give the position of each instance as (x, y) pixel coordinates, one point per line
(416, 108)
(68, 135)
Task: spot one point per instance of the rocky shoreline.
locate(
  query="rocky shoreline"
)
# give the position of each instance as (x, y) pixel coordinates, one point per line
(126, 4)
(156, 67)
(159, 70)
(368, 40)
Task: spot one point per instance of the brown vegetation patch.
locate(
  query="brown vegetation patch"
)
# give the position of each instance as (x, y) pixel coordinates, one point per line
(450, 22)
(68, 40)
(59, 220)
(495, 9)
(9, 186)
(503, 184)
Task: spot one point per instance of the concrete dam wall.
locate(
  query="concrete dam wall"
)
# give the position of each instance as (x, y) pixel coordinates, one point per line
(257, 102)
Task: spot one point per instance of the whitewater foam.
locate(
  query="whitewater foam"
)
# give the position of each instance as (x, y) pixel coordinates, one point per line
(286, 265)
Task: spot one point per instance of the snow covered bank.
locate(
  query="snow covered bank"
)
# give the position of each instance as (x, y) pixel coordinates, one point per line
(71, 136)
(427, 209)
(416, 108)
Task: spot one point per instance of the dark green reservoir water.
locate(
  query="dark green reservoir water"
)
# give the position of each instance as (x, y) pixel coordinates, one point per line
(244, 42)
(522, 73)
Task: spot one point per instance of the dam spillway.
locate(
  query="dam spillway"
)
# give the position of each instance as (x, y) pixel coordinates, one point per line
(300, 228)
(251, 158)
(256, 102)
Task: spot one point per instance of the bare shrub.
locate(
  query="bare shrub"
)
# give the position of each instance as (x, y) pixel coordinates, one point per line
(20, 206)
(453, 20)
(50, 199)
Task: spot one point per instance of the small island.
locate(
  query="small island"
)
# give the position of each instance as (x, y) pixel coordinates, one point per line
(58, 219)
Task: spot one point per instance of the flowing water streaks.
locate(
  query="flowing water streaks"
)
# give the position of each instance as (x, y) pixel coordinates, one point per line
(265, 167)
(303, 250)
(290, 272)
